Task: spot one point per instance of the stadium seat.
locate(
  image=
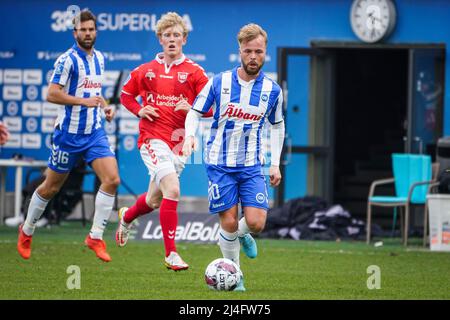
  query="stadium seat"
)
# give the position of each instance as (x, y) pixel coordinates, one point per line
(414, 176)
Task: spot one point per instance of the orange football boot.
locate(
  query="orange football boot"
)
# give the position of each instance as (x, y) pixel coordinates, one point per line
(24, 244)
(99, 247)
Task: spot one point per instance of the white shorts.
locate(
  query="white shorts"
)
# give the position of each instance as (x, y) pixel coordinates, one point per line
(160, 160)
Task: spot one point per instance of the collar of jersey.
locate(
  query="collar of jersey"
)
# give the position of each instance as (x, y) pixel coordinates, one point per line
(242, 81)
(159, 59)
(81, 52)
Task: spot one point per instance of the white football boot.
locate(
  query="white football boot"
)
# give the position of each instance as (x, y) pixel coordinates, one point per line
(123, 229)
(174, 262)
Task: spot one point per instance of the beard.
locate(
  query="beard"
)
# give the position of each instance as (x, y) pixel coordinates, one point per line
(249, 71)
(86, 44)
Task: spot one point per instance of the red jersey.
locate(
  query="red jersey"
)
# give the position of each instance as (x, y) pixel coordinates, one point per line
(162, 86)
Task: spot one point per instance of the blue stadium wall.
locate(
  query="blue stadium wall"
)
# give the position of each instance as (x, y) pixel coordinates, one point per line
(34, 33)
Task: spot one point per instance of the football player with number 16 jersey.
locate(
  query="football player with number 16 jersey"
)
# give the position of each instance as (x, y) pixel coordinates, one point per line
(76, 86)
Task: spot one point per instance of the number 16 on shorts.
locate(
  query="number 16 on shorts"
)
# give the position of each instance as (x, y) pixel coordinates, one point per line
(59, 157)
(59, 160)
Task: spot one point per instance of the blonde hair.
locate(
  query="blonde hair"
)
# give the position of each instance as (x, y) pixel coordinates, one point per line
(250, 32)
(170, 19)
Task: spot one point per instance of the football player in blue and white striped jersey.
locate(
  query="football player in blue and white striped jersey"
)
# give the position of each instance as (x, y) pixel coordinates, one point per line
(76, 85)
(242, 99)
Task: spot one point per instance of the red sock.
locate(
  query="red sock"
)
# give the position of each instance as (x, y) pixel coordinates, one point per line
(138, 209)
(168, 218)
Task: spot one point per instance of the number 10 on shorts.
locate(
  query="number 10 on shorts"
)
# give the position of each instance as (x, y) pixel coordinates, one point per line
(213, 191)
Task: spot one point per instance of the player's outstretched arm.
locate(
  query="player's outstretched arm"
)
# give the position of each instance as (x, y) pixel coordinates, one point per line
(57, 95)
(276, 146)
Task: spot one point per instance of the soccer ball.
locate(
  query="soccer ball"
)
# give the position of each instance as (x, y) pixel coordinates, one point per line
(223, 275)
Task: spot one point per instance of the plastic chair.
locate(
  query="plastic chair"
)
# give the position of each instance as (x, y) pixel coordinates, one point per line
(414, 175)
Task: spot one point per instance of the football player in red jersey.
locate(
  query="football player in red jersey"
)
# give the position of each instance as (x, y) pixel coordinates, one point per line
(168, 86)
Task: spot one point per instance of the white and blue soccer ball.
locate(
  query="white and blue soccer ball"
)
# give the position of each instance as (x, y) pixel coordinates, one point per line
(223, 275)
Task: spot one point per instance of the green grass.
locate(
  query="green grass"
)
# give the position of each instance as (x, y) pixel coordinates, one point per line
(283, 270)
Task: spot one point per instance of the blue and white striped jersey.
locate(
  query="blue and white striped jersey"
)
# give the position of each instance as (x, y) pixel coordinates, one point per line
(81, 75)
(240, 110)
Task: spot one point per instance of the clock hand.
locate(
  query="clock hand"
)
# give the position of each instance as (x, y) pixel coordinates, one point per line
(378, 19)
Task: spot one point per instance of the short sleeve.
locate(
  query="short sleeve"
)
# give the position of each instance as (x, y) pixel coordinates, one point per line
(201, 79)
(131, 84)
(276, 115)
(205, 98)
(62, 71)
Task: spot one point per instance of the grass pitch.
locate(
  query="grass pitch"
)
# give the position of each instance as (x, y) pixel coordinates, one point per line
(290, 270)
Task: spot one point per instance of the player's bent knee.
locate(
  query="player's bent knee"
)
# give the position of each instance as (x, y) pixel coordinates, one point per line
(48, 192)
(259, 227)
(116, 181)
(229, 225)
(154, 204)
(256, 226)
(112, 182)
(172, 193)
(153, 201)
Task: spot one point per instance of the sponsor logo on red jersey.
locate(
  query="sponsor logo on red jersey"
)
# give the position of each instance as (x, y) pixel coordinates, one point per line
(182, 76)
(168, 100)
(150, 75)
(164, 100)
(150, 97)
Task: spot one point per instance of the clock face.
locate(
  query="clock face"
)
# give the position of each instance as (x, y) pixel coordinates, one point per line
(372, 20)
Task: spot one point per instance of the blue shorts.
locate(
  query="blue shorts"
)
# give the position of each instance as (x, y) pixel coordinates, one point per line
(67, 148)
(229, 185)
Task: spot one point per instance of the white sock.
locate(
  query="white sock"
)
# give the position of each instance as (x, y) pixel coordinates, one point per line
(243, 227)
(103, 206)
(34, 213)
(229, 245)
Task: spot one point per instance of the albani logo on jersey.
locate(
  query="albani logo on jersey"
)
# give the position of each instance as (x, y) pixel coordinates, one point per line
(89, 84)
(233, 111)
